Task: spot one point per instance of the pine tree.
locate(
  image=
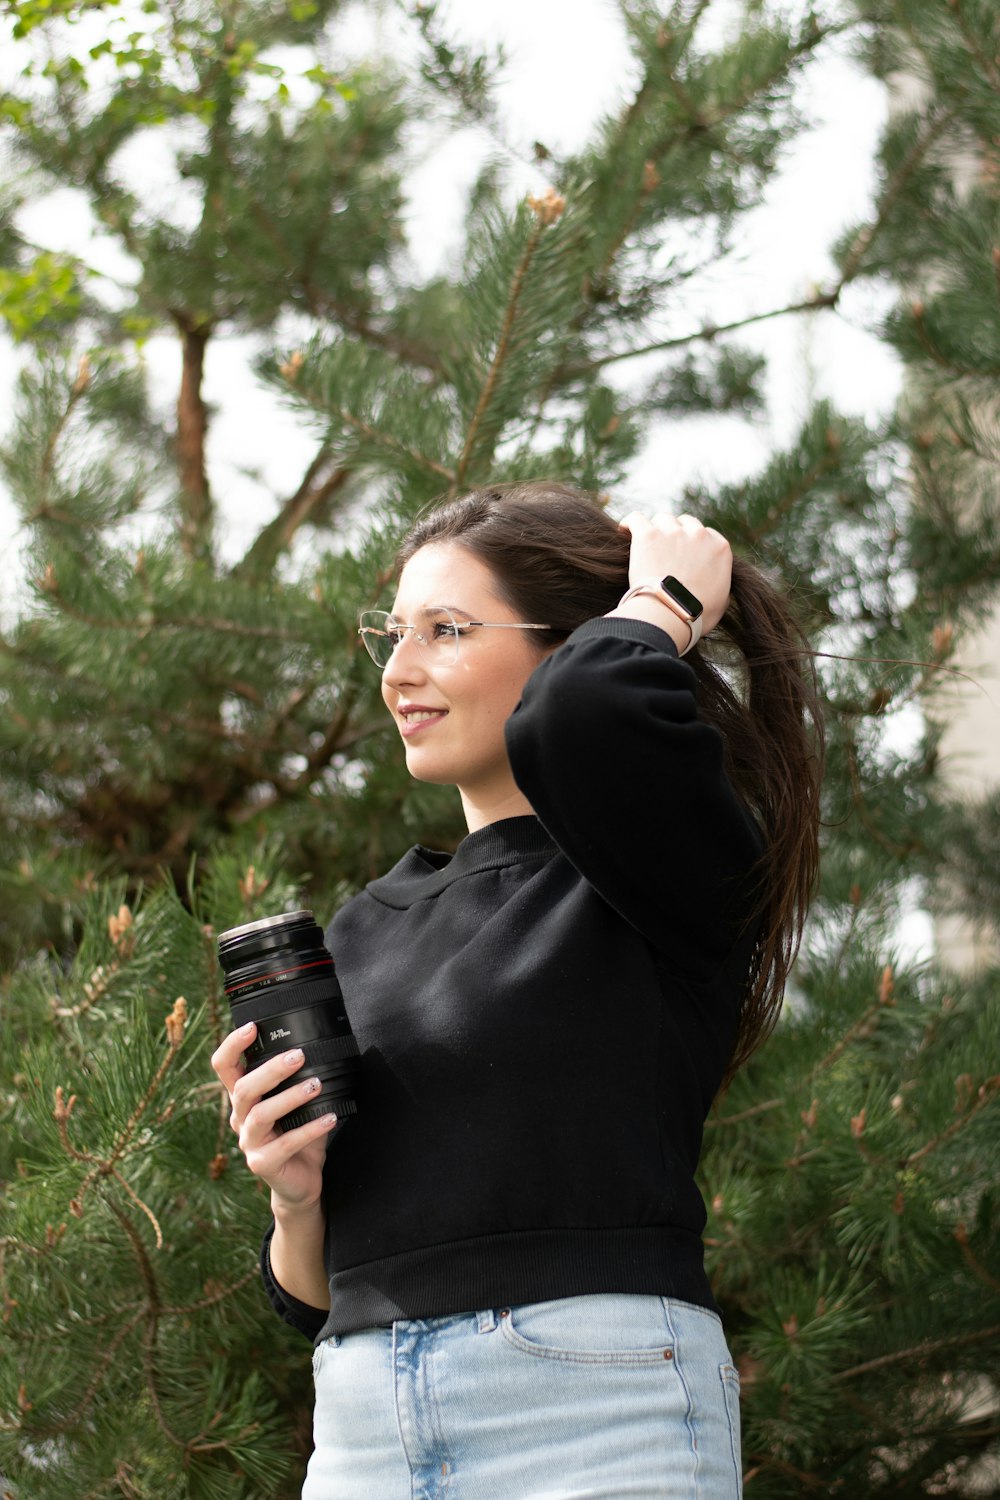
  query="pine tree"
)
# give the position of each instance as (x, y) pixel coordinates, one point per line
(188, 742)
(852, 1175)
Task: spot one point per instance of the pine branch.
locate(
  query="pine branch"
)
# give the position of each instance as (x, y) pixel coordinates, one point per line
(649, 182)
(892, 192)
(696, 121)
(763, 1461)
(410, 350)
(707, 332)
(296, 698)
(807, 44)
(988, 64)
(916, 41)
(98, 1320)
(108, 1166)
(322, 303)
(120, 1483)
(846, 942)
(330, 742)
(154, 1312)
(50, 585)
(819, 301)
(185, 1309)
(364, 429)
(698, 124)
(594, 284)
(860, 805)
(972, 1261)
(335, 740)
(786, 503)
(43, 510)
(310, 497)
(94, 989)
(261, 740)
(546, 211)
(218, 1027)
(988, 1091)
(130, 1191)
(917, 1351)
(863, 1027)
(70, 1422)
(744, 1114)
(151, 1313)
(284, 791)
(941, 359)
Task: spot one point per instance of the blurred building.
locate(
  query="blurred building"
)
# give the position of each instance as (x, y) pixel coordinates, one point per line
(970, 749)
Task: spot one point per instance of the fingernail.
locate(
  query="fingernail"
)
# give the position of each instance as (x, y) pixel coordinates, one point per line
(246, 1030)
(311, 1086)
(293, 1058)
(329, 1121)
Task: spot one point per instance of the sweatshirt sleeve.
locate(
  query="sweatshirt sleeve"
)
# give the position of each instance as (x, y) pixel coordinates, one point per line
(607, 746)
(301, 1316)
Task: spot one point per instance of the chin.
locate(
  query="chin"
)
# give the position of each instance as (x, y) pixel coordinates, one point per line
(422, 768)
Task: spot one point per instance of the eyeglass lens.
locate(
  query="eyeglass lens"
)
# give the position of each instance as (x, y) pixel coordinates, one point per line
(435, 630)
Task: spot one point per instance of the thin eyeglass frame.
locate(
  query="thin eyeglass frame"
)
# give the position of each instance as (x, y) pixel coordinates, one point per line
(425, 646)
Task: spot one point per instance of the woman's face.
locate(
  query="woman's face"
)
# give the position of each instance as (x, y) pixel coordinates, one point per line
(451, 715)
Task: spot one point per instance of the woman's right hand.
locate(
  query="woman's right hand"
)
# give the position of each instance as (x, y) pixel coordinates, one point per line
(291, 1163)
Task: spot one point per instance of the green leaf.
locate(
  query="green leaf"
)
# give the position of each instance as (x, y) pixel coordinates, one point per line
(44, 295)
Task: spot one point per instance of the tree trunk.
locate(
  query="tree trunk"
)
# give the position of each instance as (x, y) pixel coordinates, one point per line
(192, 427)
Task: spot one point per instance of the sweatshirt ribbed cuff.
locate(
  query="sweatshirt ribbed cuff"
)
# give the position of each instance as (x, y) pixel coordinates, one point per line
(627, 630)
(304, 1318)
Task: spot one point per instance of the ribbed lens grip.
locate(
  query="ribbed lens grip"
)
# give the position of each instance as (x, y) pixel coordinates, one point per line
(306, 1112)
(330, 1048)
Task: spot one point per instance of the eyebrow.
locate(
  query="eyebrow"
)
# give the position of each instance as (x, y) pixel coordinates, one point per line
(458, 609)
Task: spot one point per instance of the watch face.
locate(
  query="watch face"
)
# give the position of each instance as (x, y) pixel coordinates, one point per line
(684, 597)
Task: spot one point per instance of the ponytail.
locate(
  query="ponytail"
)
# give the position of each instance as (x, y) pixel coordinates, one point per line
(772, 730)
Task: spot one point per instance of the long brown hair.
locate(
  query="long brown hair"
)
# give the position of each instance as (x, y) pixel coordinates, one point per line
(558, 556)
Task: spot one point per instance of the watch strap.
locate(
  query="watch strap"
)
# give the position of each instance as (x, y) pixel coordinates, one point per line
(660, 589)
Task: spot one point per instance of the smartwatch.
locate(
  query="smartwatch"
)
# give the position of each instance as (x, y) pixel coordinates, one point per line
(671, 592)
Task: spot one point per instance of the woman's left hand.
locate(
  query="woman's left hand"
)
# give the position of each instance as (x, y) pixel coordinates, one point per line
(698, 557)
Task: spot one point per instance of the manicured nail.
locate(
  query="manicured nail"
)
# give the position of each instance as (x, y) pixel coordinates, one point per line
(293, 1058)
(246, 1030)
(311, 1086)
(329, 1121)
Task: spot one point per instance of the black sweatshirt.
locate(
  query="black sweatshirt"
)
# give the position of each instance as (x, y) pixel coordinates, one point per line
(545, 1016)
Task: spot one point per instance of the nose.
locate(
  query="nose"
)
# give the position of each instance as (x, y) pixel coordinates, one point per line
(405, 665)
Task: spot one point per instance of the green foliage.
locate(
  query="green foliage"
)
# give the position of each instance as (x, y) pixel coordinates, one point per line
(461, 76)
(853, 1222)
(38, 299)
(128, 1216)
(175, 718)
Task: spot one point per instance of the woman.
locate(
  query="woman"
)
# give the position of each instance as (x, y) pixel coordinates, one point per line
(500, 1263)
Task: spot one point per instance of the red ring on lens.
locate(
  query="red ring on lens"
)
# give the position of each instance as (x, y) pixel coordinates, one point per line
(320, 963)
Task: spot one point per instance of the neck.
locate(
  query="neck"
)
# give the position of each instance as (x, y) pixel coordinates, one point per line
(482, 810)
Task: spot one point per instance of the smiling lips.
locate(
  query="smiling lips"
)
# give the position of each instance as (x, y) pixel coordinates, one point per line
(414, 718)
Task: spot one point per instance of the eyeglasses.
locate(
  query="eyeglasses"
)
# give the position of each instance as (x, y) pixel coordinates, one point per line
(437, 632)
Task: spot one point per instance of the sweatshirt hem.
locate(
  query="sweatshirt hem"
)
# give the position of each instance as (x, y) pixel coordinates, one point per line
(509, 1269)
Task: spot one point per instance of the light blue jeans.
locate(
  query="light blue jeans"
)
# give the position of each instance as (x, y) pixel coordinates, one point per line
(586, 1398)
